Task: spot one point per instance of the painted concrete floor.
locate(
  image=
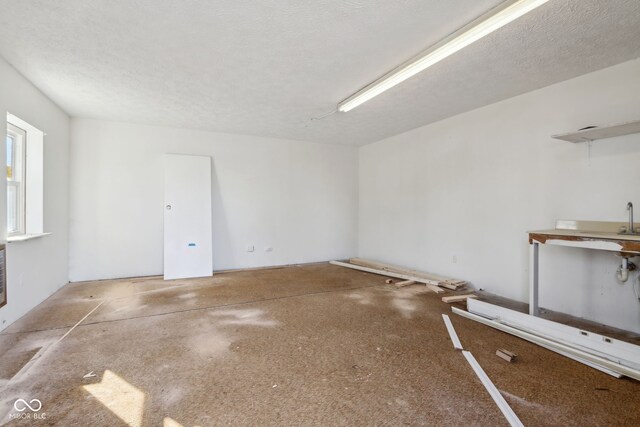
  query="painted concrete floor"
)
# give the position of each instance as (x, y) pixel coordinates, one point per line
(310, 345)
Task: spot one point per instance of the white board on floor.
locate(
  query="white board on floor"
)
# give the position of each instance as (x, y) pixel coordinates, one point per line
(615, 350)
(188, 244)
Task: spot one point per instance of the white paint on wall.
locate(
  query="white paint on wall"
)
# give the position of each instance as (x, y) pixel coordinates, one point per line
(456, 197)
(300, 199)
(36, 268)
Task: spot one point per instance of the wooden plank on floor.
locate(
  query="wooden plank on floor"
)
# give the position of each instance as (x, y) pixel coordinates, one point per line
(506, 410)
(458, 298)
(452, 333)
(426, 277)
(454, 285)
(405, 283)
(434, 288)
(506, 355)
(374, 271)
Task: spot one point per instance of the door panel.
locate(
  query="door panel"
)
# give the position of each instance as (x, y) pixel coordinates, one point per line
(188, 242)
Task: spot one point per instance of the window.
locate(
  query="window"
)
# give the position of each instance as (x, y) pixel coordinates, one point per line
(25, 180)
(16, 167)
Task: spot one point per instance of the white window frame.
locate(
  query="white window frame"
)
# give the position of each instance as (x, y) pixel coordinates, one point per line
(18, 182)
(32, 174)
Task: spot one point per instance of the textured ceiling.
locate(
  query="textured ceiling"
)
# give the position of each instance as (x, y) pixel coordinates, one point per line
(266, 67)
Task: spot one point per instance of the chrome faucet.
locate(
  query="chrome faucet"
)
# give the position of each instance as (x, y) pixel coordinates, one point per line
(630, 209)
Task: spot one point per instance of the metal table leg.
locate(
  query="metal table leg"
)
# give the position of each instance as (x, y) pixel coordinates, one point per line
(533, 279)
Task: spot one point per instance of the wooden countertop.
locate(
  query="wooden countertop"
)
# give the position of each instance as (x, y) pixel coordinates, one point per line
(586, 234)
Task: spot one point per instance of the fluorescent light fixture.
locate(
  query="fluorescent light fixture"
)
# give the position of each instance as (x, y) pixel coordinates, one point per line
(475, 30)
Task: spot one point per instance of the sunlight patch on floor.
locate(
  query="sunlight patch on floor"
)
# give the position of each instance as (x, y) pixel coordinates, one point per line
(170, 422)
(123, 399)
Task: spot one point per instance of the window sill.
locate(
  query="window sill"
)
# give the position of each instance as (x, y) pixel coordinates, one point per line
(25, 237)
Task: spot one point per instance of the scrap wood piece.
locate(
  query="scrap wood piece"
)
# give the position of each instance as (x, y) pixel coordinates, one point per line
(80, 321)
(388, 281)
(424, 277)
(458, 298)
(396, 269)
(454, 285)
(508, 413)
(376, 271)
(378, 265)
(452, 333)
(405, 283)
(434, 288)
(374, 267)
(506, 355)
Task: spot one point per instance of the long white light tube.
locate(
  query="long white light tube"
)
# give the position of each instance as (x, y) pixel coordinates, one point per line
(484, 25)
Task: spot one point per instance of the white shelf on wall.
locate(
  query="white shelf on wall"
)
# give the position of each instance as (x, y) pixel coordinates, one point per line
(598, 132)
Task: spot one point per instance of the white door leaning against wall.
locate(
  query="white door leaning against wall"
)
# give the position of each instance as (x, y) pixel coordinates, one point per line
(188, 250)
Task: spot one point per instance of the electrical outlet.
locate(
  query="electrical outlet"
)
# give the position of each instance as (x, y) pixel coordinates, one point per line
(454, 259)
(251, 248)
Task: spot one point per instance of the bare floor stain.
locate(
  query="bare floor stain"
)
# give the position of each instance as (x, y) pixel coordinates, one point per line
(12, 363)
(246, 316)
(311, 345)
(360, 298)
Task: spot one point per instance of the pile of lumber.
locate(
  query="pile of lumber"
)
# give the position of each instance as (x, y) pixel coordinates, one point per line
(432, 281)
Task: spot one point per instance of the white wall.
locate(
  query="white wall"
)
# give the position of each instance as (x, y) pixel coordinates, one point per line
(298, 198)
(470, 187)
(36, 268)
